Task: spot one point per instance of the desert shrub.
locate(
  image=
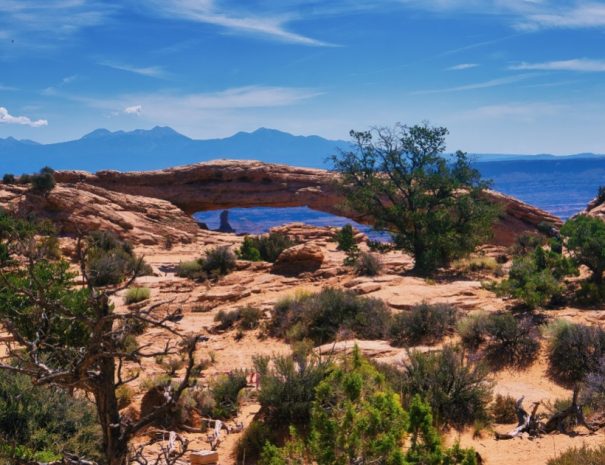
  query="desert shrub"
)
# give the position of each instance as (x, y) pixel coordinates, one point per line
(248, 250)
(24, 179)
(346, 238)
(251, 443)
(190, 269)
(172, 365)
(424, 323)
(227, 319)
(527, 243)
(503, 410)
(472, 330)
(246, 318)
(8, 178)
(110, 260)
(218, 261)
(535, 279)
(575, 350)
(585, 240)
(41, 423)
(475, 264)
(136, 294)
(456, 389)
(511, 341)
(592, 394)
(269, 246)
(583, 455)
(590, 293)
(44, 181)
(124, 395)
(250, 317)
(225, 391)
(321, 316)
(367, 264)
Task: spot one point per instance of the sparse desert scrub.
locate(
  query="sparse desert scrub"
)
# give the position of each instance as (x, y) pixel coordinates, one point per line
(189, 269)
(218, 261)
(475, 264)
(503, 410)
(574, 350)
(319, 317)
(423, 324)
(367, 264)
(265, 247)
(580, 456)
(136, 294)
(225, 390)
(431, 375)
(245, 318)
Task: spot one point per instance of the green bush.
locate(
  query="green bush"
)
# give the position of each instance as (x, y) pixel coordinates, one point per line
(423, 324)
(124, 395)
(473, 330)
(457, 390)
(379, 246)
(8, 178)
(218, 261)
(511, 341)
(41, 423)
(535, 279)
(527, 243)
(585, 240)
(268, 246)
(346, 238)
(321, 316)
(136, 294)
(575, 350)
(583, 455)
(246, 318)
(190, 269)
(248, 250)
(367, 264)
(110, 260)
(251, 443)
(44, 181)
(225, 392)
(24, 179)
(503, 410)
(592, 394)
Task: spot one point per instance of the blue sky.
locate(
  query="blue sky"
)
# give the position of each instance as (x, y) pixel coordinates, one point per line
(505, 76)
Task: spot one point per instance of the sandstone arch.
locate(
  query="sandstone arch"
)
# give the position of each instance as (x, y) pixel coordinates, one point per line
(224, 184)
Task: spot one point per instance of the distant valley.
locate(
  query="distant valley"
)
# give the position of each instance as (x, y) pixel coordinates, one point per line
(562, 185)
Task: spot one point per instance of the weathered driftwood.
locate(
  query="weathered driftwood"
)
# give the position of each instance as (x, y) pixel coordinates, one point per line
(531, 423)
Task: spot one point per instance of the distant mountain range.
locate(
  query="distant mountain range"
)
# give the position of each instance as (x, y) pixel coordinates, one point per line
(560, 184)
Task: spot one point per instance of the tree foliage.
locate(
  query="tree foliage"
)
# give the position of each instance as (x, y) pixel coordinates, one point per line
(433, 207)
(585, 240)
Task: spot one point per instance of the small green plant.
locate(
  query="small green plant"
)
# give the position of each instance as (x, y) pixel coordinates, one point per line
(585, 240)
(172, 365)
(136, 294)
(512, 342)
(190, 269)
(124, 395)
(473, 330)
(346, 238)
(503, 410)
(424, 323)
(379, 246)
(44, 181)
(225, 391)
(248, 250)
(250, 317)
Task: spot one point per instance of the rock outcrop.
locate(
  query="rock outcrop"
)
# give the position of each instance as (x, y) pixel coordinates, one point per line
(225, 184)
(80, 208)
(302, 258)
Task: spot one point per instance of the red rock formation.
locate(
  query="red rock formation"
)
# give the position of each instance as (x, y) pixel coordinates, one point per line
(224, 184)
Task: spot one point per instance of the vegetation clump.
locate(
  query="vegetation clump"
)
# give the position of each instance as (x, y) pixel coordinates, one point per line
(136, 294)
(582, 455)
(245, 318)
(367, 264)
(457, 390)
(9, 178)
(433, 205)
(575, 350)
(503, 410)
(345, 238)
(585, 240)
(320, 317)
(218, 261)
(423, 324)
(109, 259)
(266, 247)
(43, 181)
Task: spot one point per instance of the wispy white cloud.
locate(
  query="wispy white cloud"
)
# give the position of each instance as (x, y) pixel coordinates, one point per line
(149, 71)
(133, 110)
(477, 85)
(210, 12)
(462, 67)
(4, 88)
(579, 16)
(577, 64)
(7, 118)
(516, 111)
